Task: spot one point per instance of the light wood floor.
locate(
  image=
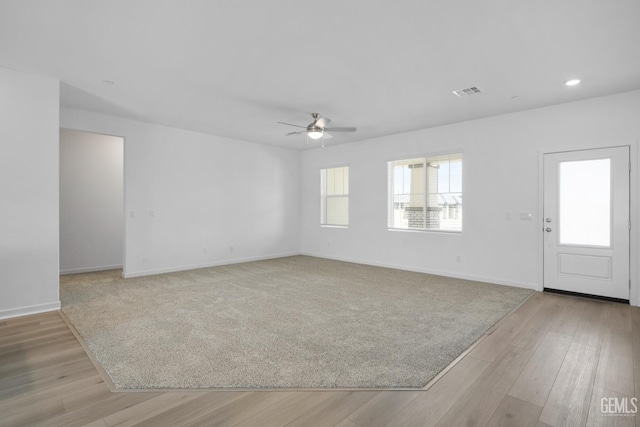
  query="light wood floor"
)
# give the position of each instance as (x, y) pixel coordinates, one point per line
(548, 364)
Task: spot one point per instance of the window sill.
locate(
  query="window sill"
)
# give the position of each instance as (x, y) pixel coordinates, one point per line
(333, 226)
(418, 230)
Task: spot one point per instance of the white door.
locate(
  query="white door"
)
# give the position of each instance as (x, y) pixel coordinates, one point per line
(586, 222)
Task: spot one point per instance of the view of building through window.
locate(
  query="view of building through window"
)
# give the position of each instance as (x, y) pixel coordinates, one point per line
(425, 193)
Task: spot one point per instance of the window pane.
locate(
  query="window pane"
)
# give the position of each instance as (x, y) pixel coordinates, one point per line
(585, 202)
(334, 196)
(426, 193)
(338, 210)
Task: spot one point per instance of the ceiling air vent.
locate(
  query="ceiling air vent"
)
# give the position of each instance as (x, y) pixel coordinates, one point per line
(466, 92)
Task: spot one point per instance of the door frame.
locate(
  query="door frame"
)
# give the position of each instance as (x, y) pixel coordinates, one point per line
(124, 188)
(634, 293)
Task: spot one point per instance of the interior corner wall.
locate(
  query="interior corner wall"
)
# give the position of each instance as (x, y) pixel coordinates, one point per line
(29, 116)
(194, 200)
(500, 176)
(91, 202)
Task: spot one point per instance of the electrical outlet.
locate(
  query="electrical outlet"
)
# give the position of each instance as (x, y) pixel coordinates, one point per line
(231, 248)
(205, 251)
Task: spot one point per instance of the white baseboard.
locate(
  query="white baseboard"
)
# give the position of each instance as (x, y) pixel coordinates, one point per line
(90, 269)
(498, 281)
(128, 275)
(33, 309)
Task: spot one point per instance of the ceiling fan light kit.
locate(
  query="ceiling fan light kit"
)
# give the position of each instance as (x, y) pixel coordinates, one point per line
(317, 131)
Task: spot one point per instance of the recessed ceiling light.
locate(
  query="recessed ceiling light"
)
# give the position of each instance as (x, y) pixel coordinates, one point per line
(108, 82)
(572, 82)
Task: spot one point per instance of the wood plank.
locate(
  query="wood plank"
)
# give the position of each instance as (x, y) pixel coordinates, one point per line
(537, 377)
(55, 391)
(336, 409)
(570, 317)
(483, 397)
(597, 418)
(96, 423)
(27, 413)
(287, 410)
(503, 371)
(98, 410)
(53, 380)
(474, 408)
(638, 401)
(40, 317)
(28, 380)
(635, 336)
(240, 409)
(40, 359)
(382, 408)
(513, 411)
(568, 402)
(18, 350)
(619, 317)
(348, 423)
(502, 336)
(535, 330)
(148, 409)
(591, 328)
(192, 409)
(428, 408)
(86, 396)
(615, 370)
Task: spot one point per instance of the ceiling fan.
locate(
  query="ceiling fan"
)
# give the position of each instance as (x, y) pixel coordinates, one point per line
(318, 129)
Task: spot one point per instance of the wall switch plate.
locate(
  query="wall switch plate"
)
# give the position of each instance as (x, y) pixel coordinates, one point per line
(507, 216)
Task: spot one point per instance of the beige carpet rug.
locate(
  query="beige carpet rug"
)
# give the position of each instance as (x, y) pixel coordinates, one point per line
(288, 322)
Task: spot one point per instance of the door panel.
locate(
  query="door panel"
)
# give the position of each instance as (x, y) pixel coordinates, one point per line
(586, 222)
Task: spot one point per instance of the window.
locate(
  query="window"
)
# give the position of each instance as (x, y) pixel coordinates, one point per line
(334, 196)
(425, 193)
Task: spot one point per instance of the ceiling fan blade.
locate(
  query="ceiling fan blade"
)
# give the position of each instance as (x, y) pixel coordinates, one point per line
(296, 133)
(343, 129)
(322, 121)
(327, 135)
(289, 124)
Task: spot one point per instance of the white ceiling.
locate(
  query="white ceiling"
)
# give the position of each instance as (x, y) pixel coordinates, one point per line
(235, 68)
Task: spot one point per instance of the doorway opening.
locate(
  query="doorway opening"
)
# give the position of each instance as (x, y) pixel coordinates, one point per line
(91, 202)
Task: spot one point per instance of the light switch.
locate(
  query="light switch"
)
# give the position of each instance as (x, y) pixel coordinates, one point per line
(132, 214)
(152, 213)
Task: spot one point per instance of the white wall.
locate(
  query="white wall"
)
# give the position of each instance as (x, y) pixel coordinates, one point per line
(192, 192)
(501, 174)
(29, 114)
(91, 201)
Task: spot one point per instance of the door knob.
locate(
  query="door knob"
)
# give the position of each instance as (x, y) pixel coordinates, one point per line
(548, 220)
(548, 229)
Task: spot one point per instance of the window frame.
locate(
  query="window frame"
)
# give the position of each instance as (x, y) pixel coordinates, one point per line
(425, 158)
(323, 196)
